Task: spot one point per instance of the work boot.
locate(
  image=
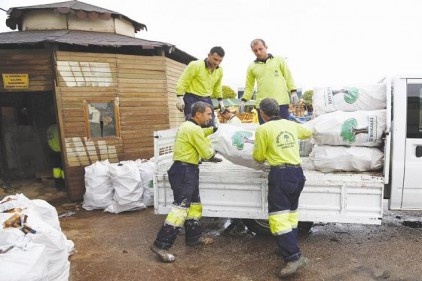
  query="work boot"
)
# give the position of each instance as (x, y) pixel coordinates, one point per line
(201, 241)
(293, 266)
(163, 255)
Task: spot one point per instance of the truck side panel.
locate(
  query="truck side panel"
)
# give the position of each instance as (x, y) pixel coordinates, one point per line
(233, 191)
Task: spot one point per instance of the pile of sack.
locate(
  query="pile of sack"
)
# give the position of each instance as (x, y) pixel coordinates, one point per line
(119, 187)
(348, 128)
(32, 245)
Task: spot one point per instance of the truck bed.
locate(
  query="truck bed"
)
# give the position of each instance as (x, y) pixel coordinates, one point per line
(229, 190)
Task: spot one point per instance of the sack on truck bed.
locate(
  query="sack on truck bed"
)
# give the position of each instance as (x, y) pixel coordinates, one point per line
(236, 144)
(359, 128)
(346, 159)
(364, 97)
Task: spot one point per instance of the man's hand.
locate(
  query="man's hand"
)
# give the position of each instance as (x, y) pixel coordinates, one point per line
(180, 104)
(242, 107)
(221, 105)
(294, 99)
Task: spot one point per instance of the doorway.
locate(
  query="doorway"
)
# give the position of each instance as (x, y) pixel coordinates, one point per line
(24, 119)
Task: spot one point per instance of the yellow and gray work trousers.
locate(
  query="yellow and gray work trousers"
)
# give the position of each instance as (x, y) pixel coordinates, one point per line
(285, 184)
(187, 208)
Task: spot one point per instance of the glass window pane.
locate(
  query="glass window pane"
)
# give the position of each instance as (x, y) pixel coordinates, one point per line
(414, 111)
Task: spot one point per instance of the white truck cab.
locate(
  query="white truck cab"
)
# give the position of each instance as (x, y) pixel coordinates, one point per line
(233, 191)
(406, 148)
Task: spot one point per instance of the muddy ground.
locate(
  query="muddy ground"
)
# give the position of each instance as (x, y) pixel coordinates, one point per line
(116, 246)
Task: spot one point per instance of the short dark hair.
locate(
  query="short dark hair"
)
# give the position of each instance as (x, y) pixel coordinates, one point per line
(218, 50)
(270, 107)
(258, 40)
(226, 110)
(200, 107)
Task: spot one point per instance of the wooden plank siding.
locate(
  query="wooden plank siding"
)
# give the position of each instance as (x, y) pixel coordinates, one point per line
(36, 63)
(84, 77)
(145, 89)
(174, 71)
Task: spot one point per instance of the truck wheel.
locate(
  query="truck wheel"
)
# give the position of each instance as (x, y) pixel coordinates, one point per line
(261, 227)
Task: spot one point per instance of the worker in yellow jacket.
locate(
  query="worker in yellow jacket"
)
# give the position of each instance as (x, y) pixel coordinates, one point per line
(53, 141)
(273, 78)
(277, 142)
(190, 145)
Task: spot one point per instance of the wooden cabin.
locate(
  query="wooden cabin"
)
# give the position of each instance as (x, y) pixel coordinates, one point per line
(81, 66)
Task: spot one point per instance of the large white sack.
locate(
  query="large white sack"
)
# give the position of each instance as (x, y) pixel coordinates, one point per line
(305, 147)
(98, 186)
(28, 263)
(362, 97)
(147, 172)
(57, 247)
(346, 158)
(235, 143)
(358, 128)
(127, 185)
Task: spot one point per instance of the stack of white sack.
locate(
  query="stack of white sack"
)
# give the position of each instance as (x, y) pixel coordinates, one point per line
(346, 158)
(348, 127)
(119, 187)
(40, 254)
(361, 97)
(357, 128)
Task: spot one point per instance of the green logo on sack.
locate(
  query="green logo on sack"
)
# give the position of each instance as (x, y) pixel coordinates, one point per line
(240, 138)
(349, 130)
(350, 95)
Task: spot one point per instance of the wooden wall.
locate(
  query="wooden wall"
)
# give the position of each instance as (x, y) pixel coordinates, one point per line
(174, 70)
(144, 87)
(36, 63)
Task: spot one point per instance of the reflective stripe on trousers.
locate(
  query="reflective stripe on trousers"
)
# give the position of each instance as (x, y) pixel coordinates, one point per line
(284, 188)
(187, 207)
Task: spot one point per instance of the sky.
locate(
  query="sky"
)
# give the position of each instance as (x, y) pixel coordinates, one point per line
(325, 42)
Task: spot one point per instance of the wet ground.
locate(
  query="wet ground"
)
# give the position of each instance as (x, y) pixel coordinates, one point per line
(116, 247)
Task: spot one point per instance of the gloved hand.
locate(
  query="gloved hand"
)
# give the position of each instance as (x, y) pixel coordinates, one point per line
(221, 104)
(180, 104)
(294, 99)
(242, 107)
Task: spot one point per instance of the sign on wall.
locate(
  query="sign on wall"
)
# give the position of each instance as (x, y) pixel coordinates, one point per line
(15, 81)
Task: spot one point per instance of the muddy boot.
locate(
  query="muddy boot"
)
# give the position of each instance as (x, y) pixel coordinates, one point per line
(293, 266)
(201, 241)
(163, 255)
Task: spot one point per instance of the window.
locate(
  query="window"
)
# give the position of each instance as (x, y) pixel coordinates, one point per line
(414, 110)
(102, 118)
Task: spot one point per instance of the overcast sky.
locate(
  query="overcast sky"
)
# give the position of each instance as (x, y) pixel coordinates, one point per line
(326, 42)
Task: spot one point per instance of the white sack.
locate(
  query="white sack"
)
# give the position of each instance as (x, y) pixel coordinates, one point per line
(47, 233)
(363, 97)
(98, 185)
(359, 128)
(305, 147)
(235, 143)
(346, 158)
(127, 185)
(147, 172)
(22, 265)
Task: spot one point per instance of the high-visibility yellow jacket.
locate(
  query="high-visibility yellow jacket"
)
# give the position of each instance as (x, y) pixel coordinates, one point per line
(273, 79)
(53, 138)
(192, 143)
(277, 141)
(197, 79)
